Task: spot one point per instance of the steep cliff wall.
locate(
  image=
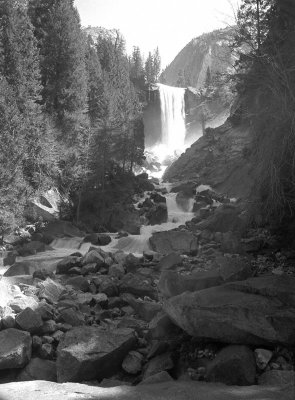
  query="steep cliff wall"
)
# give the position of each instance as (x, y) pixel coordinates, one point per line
(209, 51)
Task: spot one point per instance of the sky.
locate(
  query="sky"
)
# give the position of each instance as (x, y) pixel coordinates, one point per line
(168, 24)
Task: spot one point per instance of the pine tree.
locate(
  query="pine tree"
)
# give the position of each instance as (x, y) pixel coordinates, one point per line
(62, 47)
(94, 82)
(19, 64)
(156, 65)
(149, 69)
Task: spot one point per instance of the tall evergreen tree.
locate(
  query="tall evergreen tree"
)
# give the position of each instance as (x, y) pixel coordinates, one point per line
(62, 46)
(94, 82)
(19, 64)
(148, 67)
(156, 65)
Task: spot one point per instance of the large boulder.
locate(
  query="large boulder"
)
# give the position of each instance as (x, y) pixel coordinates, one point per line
(15, 348)
(172, 283)
(86, 353)
(38, 369)
(32, 247)
(51, 291)
(60, 229)
(136, 285)
(100, 239)
(22, 268)
(29, 320)
(233, 365)
(158, 214)
(173, 241)
(255, 311)
(226, 218)
(67, 263)
(225, 269)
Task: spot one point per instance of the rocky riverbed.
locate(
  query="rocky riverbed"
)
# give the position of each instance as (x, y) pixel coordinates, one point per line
(212, 303)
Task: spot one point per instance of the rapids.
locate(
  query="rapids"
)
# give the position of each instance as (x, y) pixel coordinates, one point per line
(137, 244)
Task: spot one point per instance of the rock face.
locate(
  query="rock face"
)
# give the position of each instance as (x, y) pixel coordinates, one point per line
(87, 353)
(255, 311)
(15, 348)
(171, 241)
(218, 158)
(211, 50)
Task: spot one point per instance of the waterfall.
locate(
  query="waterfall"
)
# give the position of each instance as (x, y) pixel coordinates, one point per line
(172, 139)
(172, 117)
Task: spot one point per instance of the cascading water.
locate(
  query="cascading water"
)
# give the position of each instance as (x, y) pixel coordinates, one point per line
(137, 244)
(172, 139)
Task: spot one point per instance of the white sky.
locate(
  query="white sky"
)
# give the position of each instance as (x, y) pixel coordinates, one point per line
(168, 24)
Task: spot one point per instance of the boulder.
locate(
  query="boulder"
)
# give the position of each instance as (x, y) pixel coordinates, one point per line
(263, 357)
(131, 263)
(161, 327)
(32, 247)
(162, 376)
(29, 320)
(93, 257)
(136, 285)
(255, 311)
(277, 378)
(158, 364)
(72, 317)
(117, 271)
(233, 268)
(147, 310)
(157, 198)
(15, 348)
(67, 263)
(172, 283)
(231, 243)
(79, 283)
(61, 229)
(157, 214)
(99, 239)
(173, 241)
(22, 268)
(124, 219)
(233, 365)
(38, 369)
(188, 188)
(21, 302)
(132, 363)
(170, 261)
(86, 353)
(9, 258)
(51, 291)
(226, 218)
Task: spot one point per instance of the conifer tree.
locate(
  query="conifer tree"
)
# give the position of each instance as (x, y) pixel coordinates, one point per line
(94, 82)
(19, 64)
(62, 46)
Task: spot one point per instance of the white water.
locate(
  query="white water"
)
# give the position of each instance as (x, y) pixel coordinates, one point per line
(172, 141)
(137, 244)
